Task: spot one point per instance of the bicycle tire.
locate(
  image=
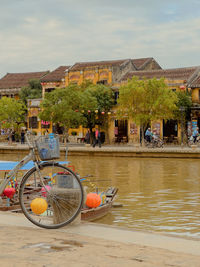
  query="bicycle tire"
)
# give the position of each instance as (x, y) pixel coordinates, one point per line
(60, 188)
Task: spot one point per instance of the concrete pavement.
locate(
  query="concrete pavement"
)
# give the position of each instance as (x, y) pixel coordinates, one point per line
(109, 233)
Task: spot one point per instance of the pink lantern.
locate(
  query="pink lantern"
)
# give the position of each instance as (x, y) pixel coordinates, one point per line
(43, 190)
(102, 112)
(89, 111)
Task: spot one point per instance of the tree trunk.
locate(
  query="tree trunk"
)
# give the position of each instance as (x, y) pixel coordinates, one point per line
(142, 127)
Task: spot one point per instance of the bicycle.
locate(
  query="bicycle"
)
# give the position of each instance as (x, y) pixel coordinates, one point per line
(50, 194)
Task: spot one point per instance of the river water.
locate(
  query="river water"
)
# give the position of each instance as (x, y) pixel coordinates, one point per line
(159, 195)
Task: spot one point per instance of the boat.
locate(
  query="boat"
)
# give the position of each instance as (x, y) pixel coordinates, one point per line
(92, 214)
(87, 214)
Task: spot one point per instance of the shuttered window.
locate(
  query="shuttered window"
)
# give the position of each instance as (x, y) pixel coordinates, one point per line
(33, 122)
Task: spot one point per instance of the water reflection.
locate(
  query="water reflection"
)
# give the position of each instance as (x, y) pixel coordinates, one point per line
(161, 195)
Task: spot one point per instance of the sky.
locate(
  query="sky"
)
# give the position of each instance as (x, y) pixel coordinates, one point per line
(42, 35)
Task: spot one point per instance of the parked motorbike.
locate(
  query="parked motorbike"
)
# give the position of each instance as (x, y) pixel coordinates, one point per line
(155, 142)
(192, 142)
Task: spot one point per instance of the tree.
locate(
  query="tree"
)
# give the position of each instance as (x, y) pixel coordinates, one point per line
(184, 102)
(76, 105)
(146, 100)
(183, 111)
(104, 102)
(61, 106)
(33, 90)
(12, 113)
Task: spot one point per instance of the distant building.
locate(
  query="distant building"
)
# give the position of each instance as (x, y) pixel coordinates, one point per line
(107, 72)
(11, 83)
(53, 80)
(177, 79)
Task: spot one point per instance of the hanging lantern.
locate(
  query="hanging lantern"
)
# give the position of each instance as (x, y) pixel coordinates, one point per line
(96, 111)
(39, 205)
(93, 200)
(44, 191)
(109, 113)
(76, 110)
(182, 87)
(9, 192)
(89, 111)
(102, 112)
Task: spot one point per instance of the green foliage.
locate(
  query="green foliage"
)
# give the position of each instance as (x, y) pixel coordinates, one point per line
(146, 100)
(104, 98)
(32, 91)
(75, 105)
(62, 106)
(184, 104)
(12, 113)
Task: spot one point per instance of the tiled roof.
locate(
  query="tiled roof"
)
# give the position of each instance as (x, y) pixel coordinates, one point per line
(139, 62)
(196, 82)
(18, 80)
(173, 74)
(81, 65)
(56, 75)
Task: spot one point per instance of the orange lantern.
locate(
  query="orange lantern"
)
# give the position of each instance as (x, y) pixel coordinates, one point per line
(93, 200)
(39, 205)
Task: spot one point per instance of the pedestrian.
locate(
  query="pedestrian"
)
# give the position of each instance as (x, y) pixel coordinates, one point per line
(195, 134)
(46, 132)
(87, 137)
(148, 135)
(97, 138)
(13, 136)
(22, 137)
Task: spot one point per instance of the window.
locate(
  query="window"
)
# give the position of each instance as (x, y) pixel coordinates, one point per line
(48, 90)
(102, 82)
(116, 97)
(33, 123)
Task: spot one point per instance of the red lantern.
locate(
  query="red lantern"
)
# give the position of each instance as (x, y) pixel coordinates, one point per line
(93, 200)
(89, 111)
(102, 112)
(9, 192)
(182, 87)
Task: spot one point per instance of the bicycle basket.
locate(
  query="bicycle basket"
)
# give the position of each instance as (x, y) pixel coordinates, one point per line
(48, 147)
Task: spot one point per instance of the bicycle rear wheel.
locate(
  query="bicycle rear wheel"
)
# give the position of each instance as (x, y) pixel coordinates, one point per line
(52, 198)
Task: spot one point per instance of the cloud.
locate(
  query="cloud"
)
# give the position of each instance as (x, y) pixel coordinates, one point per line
(41, 35)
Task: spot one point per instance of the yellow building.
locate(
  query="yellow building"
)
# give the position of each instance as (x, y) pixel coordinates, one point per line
(177, 79)
(109, 73)
(34, 124)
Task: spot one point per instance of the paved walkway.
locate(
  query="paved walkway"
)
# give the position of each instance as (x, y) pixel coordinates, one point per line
(123, 150)
(90, 244)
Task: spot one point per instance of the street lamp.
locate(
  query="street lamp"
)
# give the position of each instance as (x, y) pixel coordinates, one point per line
(182, 109)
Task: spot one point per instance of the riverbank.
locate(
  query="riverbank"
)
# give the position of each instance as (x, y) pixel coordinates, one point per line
(123, 150)
(90, 244)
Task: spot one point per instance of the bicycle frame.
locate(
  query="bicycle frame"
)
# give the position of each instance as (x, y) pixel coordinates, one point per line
(13, 172)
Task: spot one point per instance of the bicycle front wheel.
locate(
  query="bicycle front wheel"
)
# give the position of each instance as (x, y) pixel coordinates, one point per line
(52, 197)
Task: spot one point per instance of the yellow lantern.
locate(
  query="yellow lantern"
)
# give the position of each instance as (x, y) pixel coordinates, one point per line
(39, 205)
